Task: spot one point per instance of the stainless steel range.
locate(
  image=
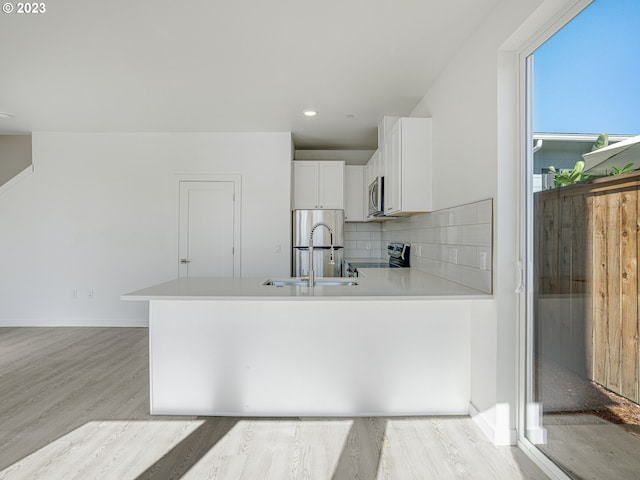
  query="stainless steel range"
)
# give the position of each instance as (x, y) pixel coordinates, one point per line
(398, 252)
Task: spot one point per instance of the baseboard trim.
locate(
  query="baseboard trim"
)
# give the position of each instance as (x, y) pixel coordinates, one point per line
(536, 433)
(506, 436)
(74, 322)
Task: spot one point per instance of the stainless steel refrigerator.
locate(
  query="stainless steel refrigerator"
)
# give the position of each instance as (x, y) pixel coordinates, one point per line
(303, 223)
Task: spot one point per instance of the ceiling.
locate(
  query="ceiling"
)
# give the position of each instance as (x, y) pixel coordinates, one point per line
(243, 65)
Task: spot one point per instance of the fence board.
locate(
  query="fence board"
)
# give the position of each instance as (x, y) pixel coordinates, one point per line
(614, 323)
(637, 342)
(549, 250)
(587, 249)
(562, 337)
(629, 293)
(577, 285)
(588, 282)
(600, 304)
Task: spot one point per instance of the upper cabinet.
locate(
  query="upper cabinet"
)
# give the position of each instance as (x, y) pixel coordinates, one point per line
(318, 184)
(354, 182)
(374, 167)
(407, 164)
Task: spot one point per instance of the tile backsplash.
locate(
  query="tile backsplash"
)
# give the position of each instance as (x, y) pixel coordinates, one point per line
(364, 240)
(455, 243)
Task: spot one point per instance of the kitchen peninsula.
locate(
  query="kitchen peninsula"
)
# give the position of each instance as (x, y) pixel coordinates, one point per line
(397, 343)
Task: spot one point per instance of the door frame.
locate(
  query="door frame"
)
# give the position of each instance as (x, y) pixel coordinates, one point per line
(565, 11)
(236, 179)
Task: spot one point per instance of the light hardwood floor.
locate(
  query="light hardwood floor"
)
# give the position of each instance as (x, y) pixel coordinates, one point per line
(74, 405)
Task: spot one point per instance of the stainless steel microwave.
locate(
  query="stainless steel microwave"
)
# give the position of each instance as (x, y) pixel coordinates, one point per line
(376, 197)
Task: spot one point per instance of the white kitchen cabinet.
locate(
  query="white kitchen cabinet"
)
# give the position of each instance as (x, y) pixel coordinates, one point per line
(367, 178)
(305, 185)
(331, 184)
(318, 184)
(385, 125)
(373, 169)
(408, 167)
(392, 171)
(375, 166)
(354, 181)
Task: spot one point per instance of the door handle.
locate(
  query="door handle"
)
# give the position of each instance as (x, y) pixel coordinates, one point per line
(184, 261)
(519, 277)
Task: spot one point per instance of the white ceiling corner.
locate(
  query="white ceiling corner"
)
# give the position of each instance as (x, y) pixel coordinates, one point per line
(248, 65)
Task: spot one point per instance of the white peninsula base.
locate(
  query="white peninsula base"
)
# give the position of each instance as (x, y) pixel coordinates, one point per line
(310, 358)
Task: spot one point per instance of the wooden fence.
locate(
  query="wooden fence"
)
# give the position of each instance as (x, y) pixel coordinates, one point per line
(587, 290)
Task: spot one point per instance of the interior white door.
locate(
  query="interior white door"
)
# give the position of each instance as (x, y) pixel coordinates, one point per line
(207, 229)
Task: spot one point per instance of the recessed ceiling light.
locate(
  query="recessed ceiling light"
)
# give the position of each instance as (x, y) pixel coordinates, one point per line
(310, 113)
(6, 115)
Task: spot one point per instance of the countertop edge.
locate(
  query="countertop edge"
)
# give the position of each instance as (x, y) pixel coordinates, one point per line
(377, 285)
(320, 298)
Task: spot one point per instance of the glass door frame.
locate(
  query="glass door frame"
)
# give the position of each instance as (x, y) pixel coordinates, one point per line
(525, 423)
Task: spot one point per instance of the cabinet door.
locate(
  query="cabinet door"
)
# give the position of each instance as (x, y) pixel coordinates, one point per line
(354, 193)
(416, 165)
(305, 185)
(331, 184)
(393, 170)
(375, 163)
(367, 179)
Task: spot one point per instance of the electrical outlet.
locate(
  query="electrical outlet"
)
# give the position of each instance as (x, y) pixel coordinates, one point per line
(277, 248)
(91, 294)
(482, 260)
(74, 294)
(368, 246)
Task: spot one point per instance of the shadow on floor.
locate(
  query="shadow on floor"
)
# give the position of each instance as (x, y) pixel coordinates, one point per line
(360, 456)
(55, 380)
(179, 460)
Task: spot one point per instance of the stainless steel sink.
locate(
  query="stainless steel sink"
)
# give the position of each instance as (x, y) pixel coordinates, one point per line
(296, 282)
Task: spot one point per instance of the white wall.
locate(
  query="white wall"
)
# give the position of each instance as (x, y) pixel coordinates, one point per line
(15, 155)
(101, 212)
(475, 127)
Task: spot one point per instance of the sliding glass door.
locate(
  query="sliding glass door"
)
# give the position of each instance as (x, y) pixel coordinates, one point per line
(582, 373)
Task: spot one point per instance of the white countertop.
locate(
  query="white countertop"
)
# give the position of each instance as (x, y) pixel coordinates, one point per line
(373, 284)
(368, 260)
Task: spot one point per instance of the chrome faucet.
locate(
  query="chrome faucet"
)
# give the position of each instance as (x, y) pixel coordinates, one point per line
(311, 280)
